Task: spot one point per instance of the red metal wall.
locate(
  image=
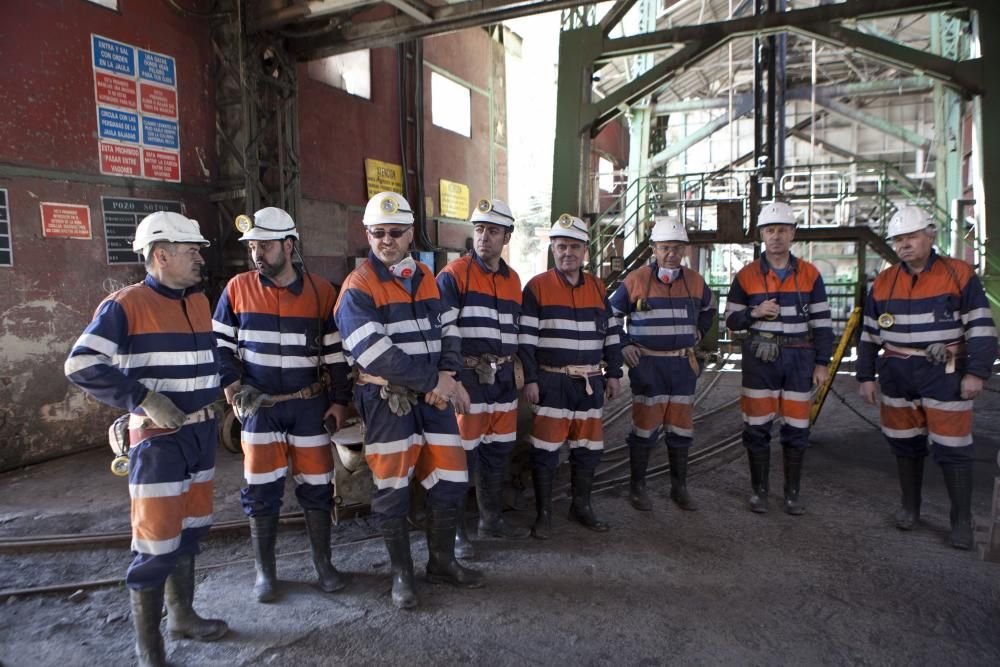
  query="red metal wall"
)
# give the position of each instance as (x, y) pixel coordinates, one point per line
(48, 153)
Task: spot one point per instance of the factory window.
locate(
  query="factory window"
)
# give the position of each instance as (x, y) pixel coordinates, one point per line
(6, 256)
(605, 174)
(110, 4)
(349, 71)
(451, 105)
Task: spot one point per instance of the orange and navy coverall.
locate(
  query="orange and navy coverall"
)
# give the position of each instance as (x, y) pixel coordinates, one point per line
(269, 337)
(561, 325)
(804, 331)
(404, 334)
(674, 316)
(944, 303)
(150, 337)
(485, 305)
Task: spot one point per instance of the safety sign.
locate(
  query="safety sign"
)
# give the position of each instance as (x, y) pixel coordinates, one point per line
(138, 127)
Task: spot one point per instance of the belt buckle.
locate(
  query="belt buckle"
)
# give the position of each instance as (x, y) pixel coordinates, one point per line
(767, 335)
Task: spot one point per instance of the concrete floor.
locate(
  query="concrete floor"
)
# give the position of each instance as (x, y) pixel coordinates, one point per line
(839, 585)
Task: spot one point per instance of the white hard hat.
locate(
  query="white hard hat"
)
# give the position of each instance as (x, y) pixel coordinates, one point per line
(776, 213)
(570, 227)
(668, 228)
(909, 219)
(388, 208)
(167, 226)
(493, 211)
(268, 224)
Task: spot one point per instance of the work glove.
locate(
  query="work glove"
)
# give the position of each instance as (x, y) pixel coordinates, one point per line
(246, 402)
(937, 353)
(400, 404)
(486, 371)
(766, 351)
(162, 411)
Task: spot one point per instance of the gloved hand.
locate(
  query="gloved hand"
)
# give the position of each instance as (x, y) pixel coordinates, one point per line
(162, 411)
(246, 402)
(937, 353)
(764, 350)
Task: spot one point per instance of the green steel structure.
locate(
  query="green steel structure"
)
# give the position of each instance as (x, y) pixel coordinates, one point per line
(841, 206)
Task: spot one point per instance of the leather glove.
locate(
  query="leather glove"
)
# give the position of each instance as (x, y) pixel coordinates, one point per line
(765, 350)
(162, 411)
(400, 404)
(937, 353)
(246, 402)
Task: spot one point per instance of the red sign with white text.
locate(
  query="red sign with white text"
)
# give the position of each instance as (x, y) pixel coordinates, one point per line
(115, 90)
(161, 164)
(158, 100)
(65, 221)
(120, 159)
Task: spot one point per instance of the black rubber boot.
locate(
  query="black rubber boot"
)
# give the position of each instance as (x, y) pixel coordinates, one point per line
(580, 509)
(318, 528)
(678, 478)
(541, 479)
(397, 542)
(442, 568)
(638, 461)
(464, 548)
(911, 479)
(147, 609)
(264, 535)
(183, 622)
(958, 479)
(760, 465)
(793, 477)
(489, 494)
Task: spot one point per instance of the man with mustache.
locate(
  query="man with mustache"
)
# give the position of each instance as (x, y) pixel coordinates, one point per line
(285, 375)
(930, 316)
(780, 300)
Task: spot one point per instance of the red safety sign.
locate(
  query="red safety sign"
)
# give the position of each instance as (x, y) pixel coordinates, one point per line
(68, 221)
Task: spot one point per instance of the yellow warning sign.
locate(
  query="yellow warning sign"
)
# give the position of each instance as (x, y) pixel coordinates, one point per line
(383, 177)
(454, 200)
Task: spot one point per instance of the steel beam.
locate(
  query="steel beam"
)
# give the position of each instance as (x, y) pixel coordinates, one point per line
(965, 75)
(744, 107)
(764, 24)
(615, 15)
(571, 153)
(603, 112)
(911, 84)
(989, 129)
(410, 10)
(875, 122)
(446, 18)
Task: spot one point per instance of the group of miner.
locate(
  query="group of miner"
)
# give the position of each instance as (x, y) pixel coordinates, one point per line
(435, 365)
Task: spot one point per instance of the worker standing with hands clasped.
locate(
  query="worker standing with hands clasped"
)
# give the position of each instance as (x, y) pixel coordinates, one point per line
(669, 309)
(404, 345)
(780, 300)
(930, 317)
(150, 350)
(570, 344)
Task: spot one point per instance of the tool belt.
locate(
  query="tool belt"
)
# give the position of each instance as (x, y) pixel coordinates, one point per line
(401, 399)
(688, 352)
(141, 427)
(790, 342)
(313, 390)
(486, 366)
(955, 351)
(584, 371)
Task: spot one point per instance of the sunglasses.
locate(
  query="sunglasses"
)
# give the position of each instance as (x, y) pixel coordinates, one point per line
(393, 233)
